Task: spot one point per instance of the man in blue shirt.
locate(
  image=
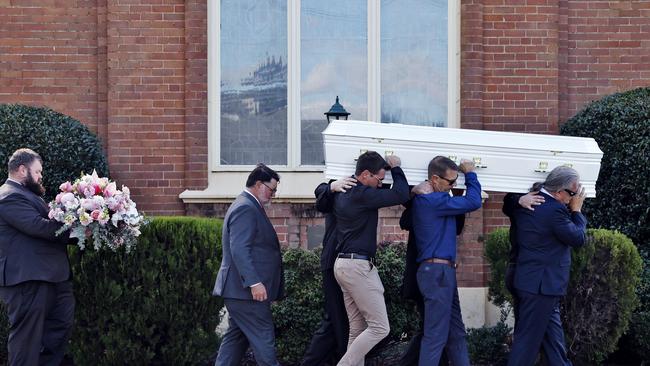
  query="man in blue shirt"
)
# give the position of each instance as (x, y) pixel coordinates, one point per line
(434, 224)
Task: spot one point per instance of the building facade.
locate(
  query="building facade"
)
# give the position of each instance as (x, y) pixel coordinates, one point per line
(186, 95)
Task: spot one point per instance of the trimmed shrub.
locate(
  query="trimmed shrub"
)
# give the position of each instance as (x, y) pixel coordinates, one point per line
(601, 293)
(153, 306)
(497, 249)
(620, 123)
(297, 317)
(488, 345)
(66, 146)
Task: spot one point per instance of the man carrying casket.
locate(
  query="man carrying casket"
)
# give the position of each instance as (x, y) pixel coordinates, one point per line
(434, 224)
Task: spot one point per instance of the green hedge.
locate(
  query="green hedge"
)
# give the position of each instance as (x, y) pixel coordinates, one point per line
(152, 306)
(620, 123)
(296, 317)
(601, 293)
(65, 144)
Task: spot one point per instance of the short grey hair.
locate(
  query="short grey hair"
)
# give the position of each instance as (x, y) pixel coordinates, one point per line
(560, 178)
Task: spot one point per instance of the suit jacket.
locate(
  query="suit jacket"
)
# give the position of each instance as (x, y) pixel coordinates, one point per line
(325, 204)
(251, 252)
(29, 248)
(545, 238)
(510, 203)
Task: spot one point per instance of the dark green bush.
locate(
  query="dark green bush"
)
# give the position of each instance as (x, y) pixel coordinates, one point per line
(488, 345)
(620, 123)
(497, 247)
(297, 317)
(66, 146)
(152, 306)
(601, 293)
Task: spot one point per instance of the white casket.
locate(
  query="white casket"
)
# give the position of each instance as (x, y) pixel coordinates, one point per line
(506, 161)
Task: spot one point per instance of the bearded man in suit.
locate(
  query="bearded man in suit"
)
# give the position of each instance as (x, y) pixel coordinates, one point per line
(35, 276)
(251, 274)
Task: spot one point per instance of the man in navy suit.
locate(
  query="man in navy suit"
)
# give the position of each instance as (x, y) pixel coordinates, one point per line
(251, 275)
(35, 276)
(545, 238)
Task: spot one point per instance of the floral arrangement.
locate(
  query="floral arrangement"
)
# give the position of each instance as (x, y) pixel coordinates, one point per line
(93, 208)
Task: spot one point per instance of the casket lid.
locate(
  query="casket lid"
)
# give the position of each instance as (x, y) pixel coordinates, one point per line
(455, 136)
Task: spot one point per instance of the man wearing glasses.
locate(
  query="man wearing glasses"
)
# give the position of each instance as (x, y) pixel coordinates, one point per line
(356, 213)
(251, 276)
(434, 225)
(545, 238)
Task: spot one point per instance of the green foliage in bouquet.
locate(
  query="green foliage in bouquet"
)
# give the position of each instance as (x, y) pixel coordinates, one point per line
(154, 305)
(65, 144)
(620, 123)
(297, 317)
(601, 293)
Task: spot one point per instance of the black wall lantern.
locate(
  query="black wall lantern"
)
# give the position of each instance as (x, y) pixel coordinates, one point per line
(337, 111)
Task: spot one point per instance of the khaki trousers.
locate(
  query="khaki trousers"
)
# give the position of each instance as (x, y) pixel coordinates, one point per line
(363, 295)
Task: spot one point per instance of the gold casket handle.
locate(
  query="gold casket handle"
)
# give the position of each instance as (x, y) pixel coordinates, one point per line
(477, 162)
(542, 167)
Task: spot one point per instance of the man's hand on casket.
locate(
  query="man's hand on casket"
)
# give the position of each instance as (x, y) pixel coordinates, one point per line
(466, 166)
(393, 161)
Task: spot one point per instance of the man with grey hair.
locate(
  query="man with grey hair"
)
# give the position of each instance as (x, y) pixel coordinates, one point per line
(545, 238)
(35, 276)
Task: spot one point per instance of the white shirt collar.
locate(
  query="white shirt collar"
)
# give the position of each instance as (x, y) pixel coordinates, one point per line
(252, 195)
(15, 181)
(543, 190)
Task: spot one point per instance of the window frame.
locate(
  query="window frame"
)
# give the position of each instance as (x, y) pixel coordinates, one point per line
(220, 174)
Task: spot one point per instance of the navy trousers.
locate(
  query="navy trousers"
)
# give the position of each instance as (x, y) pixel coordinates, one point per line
(41, 315)
(331, 339)
(443, 324)
(538, 326)
(249, 323)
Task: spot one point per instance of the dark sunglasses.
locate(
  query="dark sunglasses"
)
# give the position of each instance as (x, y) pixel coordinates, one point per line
(570, 192)
(450, 181)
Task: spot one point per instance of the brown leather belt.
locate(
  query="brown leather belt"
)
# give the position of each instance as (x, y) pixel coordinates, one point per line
(441, 261)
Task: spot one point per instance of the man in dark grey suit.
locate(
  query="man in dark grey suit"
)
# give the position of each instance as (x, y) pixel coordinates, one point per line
(251, 275)
(35, 277)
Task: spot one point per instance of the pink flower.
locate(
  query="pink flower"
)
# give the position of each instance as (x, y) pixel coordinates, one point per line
(57, 199)
(110, 190)
(95, 214)
(67, 197)
(66, 187)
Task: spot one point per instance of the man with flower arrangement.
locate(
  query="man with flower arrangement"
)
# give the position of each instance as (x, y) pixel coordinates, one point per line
(35, 276)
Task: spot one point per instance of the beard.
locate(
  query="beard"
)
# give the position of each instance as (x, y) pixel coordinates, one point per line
(33, 185)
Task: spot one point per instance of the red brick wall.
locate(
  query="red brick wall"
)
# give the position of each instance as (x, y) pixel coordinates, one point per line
(135, 72)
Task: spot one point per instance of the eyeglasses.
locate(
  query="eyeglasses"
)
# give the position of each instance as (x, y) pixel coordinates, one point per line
(570, 192)
(273, 190)
(450, 181)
